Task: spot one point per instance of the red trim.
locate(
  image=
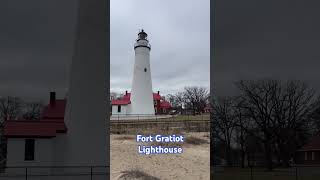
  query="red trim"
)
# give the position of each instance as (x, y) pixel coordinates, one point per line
(40, 128)
(120, 102)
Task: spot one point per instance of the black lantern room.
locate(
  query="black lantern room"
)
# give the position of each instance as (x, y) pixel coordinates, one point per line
(142, 35)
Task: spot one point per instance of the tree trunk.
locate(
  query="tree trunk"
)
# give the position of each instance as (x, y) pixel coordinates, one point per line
(228, 157)
(268, 154)
(242, 156)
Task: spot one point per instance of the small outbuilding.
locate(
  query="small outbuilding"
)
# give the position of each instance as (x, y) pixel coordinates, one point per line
(309, 154)
(32, 142)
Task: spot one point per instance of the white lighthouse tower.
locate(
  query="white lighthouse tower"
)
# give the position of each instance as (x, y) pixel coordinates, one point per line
(141, 92)
(86, 140)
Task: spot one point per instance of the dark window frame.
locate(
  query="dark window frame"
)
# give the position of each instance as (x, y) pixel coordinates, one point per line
(119, 108)
(29, 150)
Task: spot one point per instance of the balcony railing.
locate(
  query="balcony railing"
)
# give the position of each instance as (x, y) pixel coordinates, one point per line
(142, 44)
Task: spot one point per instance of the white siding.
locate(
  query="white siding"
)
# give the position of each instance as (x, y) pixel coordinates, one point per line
(123, 110)
(42, 154)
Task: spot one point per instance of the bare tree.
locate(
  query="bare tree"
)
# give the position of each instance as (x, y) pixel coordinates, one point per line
(176, 100)
(315, 116)
(258, 102)
(195, 98)
(10, 108)
(172, 100)
(281, 112)
(224, 123)
(293, 106)
(241, 123)
(32, 110)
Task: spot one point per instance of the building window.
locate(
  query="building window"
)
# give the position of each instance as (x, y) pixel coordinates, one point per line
(29, 150)
(312, 156)
(119, 108)
(305, 156)
(145, 69)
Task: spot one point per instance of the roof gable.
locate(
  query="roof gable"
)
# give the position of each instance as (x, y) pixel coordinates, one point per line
(314, 144)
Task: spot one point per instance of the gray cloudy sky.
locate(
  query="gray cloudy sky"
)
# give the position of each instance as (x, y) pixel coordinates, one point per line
(254, 39)
(36, 44)
(36, 40)
(266, 39)
(179, 34)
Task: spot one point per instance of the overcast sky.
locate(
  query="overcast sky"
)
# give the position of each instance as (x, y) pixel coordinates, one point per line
(277, 39)
(36, 44)
(254, 39)
(179, 34)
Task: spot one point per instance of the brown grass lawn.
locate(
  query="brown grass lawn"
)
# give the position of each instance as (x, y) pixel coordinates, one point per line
(191, 117)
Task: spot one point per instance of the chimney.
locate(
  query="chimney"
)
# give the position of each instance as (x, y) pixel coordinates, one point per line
(126, 92)
(158, 92)
(52, 98)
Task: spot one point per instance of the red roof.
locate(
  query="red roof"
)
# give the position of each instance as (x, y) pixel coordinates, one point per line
(38, 128)
(126, 99)
(314, 144)
(156, 96)
(120, 102)
(51, 123)
(127, 96)
(165, 105)
(54, 111)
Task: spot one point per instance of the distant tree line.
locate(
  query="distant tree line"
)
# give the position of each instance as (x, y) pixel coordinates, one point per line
(271, 117)
(192, 98)
(15, 108)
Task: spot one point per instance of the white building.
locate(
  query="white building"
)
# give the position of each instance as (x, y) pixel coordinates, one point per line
(32, 142)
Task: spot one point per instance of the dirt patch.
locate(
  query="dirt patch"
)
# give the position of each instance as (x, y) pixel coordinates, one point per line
(195, 140)
(136, 174)
(125, 137)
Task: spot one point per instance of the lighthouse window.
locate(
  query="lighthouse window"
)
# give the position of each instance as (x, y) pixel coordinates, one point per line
(145, 69)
